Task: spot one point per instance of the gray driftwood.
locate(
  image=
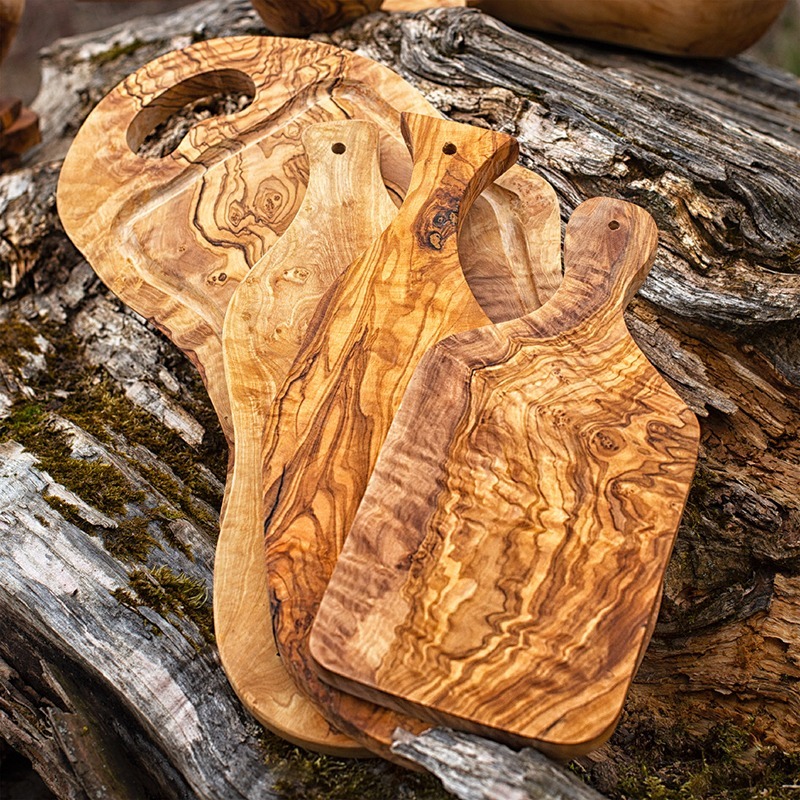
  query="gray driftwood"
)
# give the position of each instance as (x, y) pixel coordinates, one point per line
(111, 463)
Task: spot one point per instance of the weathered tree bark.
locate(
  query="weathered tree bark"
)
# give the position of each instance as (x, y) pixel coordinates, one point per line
(111, 461)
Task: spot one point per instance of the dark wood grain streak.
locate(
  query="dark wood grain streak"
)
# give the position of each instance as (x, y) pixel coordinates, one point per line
(503, 571)
(330, 418)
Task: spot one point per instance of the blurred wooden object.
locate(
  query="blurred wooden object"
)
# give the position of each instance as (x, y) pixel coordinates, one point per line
(706, 29)
(10, 15)
(22, 134)
(345, 208)
(503, 571)
(301, 18)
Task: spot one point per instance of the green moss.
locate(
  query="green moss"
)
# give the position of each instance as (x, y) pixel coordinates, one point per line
(167, 592)
(131, 540)
(97, 405)
(181, 497)
(302, 775)
(727, 764)
(101, 485)
(115, 52)
(15, 337)
(69, 512)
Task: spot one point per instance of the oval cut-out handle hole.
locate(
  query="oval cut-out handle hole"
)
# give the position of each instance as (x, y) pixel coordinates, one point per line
(338, 148)
(449, 149)
(613, 225)
(159, 128)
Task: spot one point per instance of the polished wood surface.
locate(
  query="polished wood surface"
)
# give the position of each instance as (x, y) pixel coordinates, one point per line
(707, 29)
(174, 236)
(332, 413)
(503, 571)
(345, 208)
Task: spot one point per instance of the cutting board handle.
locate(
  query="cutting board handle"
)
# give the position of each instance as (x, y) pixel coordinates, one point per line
(609, 248)
(453, 164)
(149, 96)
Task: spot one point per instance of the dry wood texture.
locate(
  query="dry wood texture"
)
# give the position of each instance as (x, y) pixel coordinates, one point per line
(503, 570)
(331, 416)
(710, 29)
(174, 236)
(345, 208)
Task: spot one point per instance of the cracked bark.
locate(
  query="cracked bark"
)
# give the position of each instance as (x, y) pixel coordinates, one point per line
(120, 695)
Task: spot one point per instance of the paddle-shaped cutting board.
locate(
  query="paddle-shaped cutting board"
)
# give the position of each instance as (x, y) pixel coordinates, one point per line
(329, 420)
(345, 208)
(503, 572)
(174, 236)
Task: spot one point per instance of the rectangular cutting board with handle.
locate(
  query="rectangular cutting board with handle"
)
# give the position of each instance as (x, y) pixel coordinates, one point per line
(329, 419)
(503, 572)
(174, 236)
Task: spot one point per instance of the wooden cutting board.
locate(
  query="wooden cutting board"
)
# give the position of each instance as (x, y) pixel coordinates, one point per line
(345, 208)
(174, 236)
(332, 413)
(503, 572)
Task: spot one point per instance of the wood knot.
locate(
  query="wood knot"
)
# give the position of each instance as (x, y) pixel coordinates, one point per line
(217, 278)
(438, 221)
(607, 442)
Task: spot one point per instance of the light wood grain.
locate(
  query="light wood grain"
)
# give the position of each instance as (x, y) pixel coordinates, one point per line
(331, 415)
(709, 29)
(504, 568)
(173, 237)
(345, 208)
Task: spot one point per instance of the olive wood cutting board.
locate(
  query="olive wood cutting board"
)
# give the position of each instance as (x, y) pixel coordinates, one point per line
(503, 571)
(329, 419)
(174, 236)
(345, 208)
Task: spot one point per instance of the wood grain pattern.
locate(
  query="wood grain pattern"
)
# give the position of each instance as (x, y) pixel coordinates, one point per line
(710, 29)
(330, 418)
(173, 237)
(504, 568)
(345, 208)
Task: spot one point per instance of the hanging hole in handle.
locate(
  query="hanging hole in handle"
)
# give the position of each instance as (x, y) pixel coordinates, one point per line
(449, 149)
(160, 127)
(613, 225)
(338, 148)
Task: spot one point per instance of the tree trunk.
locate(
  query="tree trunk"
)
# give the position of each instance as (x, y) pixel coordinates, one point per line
(111, 462)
